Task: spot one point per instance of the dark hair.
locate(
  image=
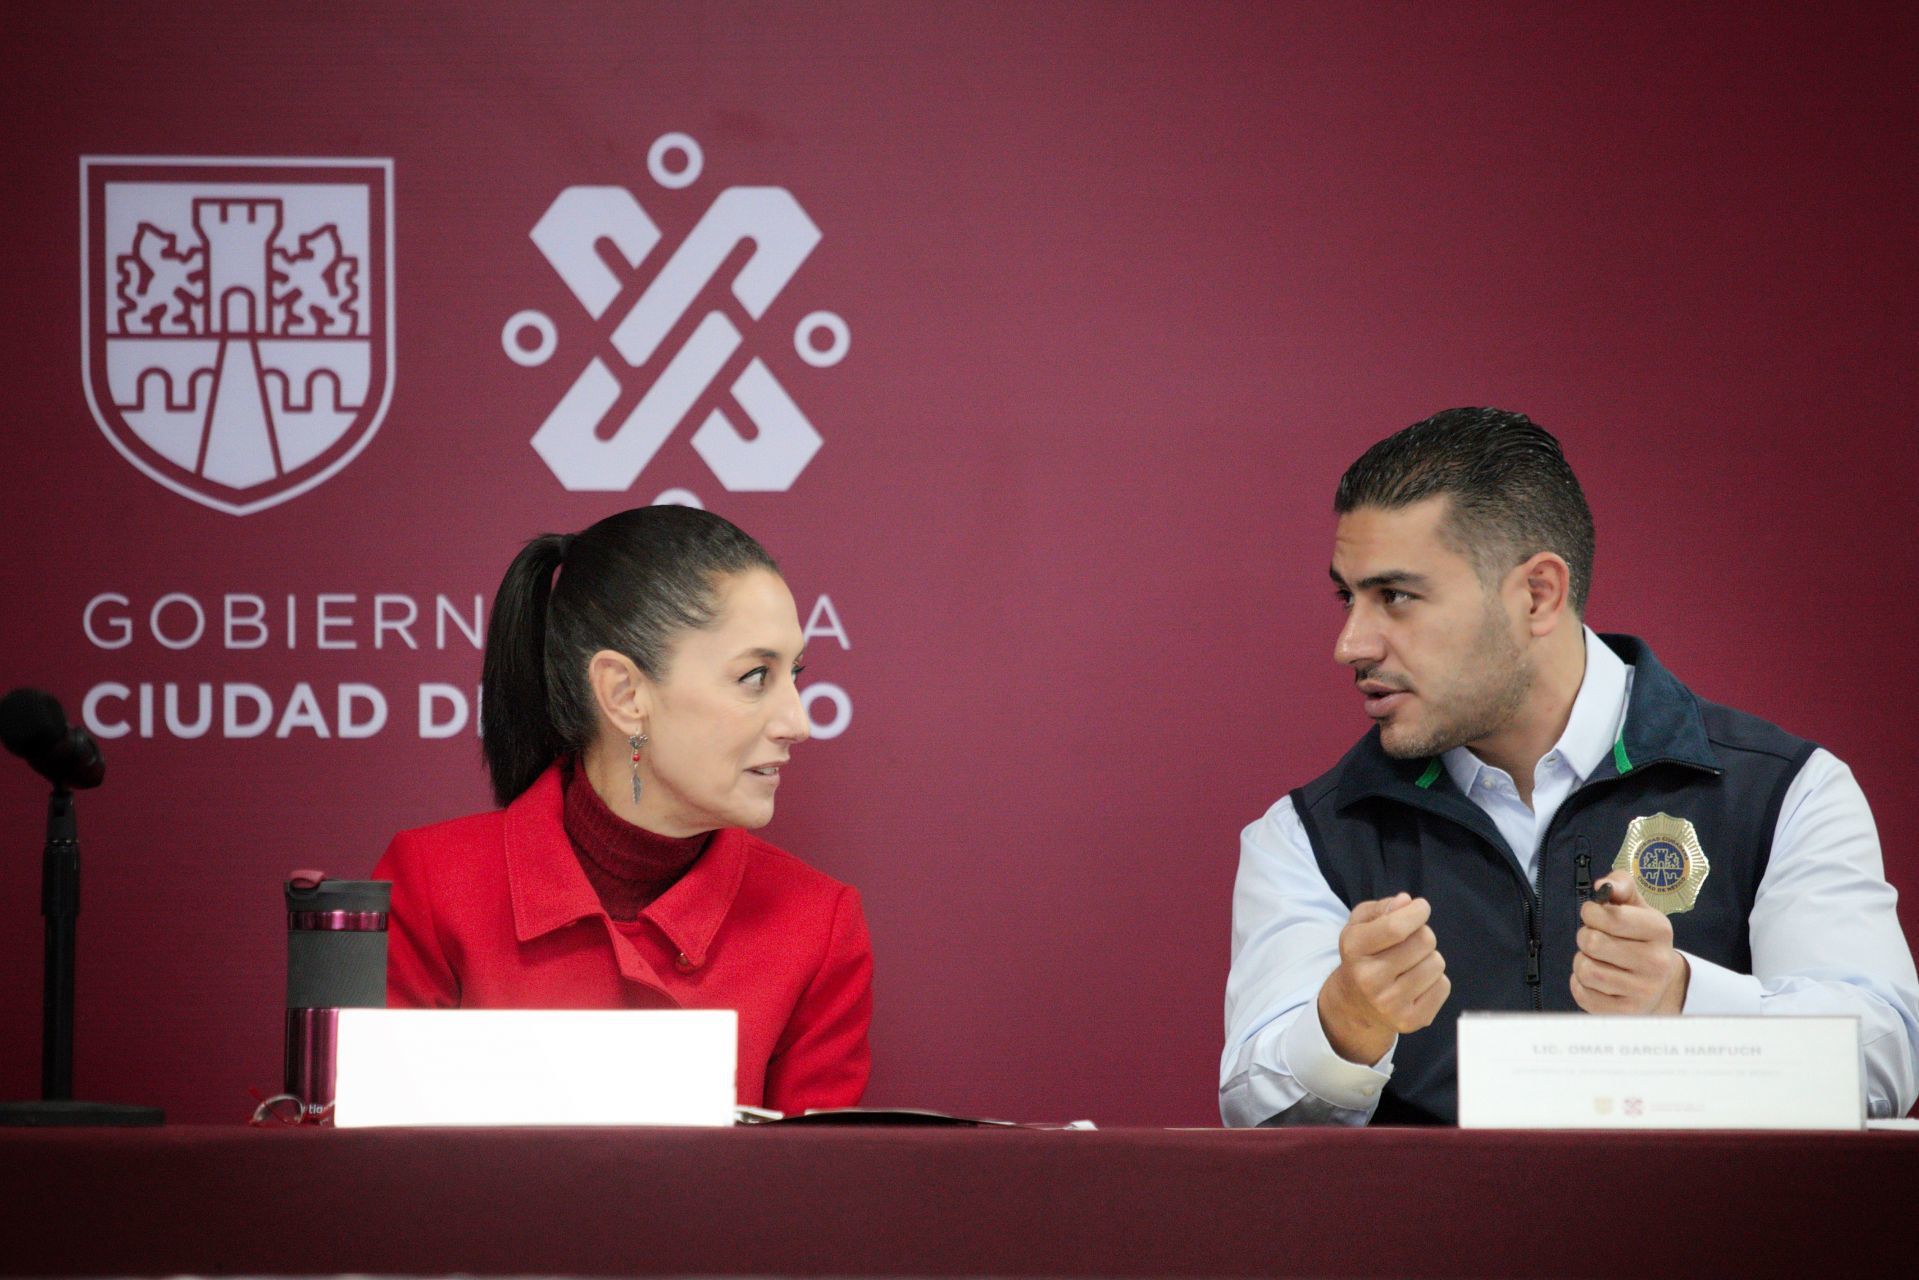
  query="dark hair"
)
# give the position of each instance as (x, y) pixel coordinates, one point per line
(630, 583)
(1513, 495)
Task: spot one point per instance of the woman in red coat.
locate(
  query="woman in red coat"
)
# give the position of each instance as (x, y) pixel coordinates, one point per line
(639, 703)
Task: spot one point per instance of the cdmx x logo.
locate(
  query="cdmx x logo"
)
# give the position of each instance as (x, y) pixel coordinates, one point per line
(573, 441)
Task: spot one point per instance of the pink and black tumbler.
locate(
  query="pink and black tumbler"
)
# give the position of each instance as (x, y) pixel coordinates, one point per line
(336, 959)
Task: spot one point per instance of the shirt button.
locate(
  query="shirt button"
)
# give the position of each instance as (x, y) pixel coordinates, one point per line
(685, 962)
(1369, 1089)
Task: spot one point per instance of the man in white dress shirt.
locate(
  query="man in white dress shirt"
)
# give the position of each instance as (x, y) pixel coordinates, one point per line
(1454, 858)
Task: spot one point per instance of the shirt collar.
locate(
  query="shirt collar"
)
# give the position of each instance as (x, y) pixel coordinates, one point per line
(550, 891)
(1598, 712)
(1661, 724)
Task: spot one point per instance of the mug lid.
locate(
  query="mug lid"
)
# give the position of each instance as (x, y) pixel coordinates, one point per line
(303, 894)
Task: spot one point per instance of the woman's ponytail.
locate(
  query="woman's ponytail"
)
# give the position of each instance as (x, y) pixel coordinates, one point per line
(518, 736)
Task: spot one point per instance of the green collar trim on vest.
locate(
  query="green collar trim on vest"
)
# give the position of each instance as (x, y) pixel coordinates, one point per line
(1619, 753)
(1431, 775)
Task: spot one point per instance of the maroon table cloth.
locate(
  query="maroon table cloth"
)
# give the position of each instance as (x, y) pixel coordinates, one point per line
(951, 1202)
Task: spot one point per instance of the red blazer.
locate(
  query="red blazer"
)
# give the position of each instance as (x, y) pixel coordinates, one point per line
(493, 911)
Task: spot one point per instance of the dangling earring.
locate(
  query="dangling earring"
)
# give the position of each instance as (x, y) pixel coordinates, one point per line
(636, 741)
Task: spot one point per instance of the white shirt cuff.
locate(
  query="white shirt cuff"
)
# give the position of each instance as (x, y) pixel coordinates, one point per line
(1309, 1057)
(1715, 989)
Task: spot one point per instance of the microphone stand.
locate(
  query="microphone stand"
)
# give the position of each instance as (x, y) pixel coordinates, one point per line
(60, 904)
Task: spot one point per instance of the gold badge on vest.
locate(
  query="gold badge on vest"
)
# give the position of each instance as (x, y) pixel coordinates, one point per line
(1667, 864)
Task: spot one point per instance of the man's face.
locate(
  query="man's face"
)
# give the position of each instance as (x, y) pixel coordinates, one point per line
(1435, 652)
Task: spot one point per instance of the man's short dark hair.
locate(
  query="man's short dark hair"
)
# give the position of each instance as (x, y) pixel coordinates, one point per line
(1512, 493)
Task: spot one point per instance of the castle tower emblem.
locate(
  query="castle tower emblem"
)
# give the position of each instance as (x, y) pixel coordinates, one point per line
(237, 343)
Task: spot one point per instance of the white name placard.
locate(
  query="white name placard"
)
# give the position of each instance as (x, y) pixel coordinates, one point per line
(1576, 1071)
(535, 1067)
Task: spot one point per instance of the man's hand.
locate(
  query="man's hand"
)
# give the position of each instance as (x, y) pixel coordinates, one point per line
(1626, 962)
(1391, 978)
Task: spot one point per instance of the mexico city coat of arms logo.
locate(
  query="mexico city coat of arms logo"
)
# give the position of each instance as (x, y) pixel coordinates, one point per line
(237, 318)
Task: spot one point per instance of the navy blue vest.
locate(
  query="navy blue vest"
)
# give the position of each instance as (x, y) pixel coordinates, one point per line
(1380, 825)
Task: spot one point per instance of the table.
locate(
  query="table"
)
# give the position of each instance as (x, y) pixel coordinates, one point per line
(797, 1201)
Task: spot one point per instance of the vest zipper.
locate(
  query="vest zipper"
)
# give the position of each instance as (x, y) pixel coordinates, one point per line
(1582, 877)
(1532, 938)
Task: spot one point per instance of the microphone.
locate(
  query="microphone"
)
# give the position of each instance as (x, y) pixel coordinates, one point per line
(33, 727)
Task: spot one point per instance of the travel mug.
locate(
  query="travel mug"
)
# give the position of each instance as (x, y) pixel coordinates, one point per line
(336, 959)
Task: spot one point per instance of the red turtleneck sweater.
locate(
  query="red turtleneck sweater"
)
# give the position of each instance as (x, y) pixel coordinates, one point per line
(627, 866)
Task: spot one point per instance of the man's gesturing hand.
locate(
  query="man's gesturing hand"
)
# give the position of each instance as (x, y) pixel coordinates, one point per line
(1626, 962)
(1391, 978)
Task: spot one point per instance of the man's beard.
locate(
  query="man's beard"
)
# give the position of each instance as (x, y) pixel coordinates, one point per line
(1490, 695)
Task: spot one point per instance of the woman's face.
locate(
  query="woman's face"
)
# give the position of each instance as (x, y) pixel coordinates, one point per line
(726, 713)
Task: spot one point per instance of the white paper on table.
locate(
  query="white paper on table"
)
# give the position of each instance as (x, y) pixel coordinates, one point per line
(1576, 1071)
(535, 1067)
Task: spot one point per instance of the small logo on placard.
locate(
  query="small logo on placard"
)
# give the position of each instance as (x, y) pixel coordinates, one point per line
(237, 318)
(663, 385)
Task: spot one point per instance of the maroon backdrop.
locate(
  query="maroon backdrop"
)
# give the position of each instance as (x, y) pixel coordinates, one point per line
(1126, 288)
